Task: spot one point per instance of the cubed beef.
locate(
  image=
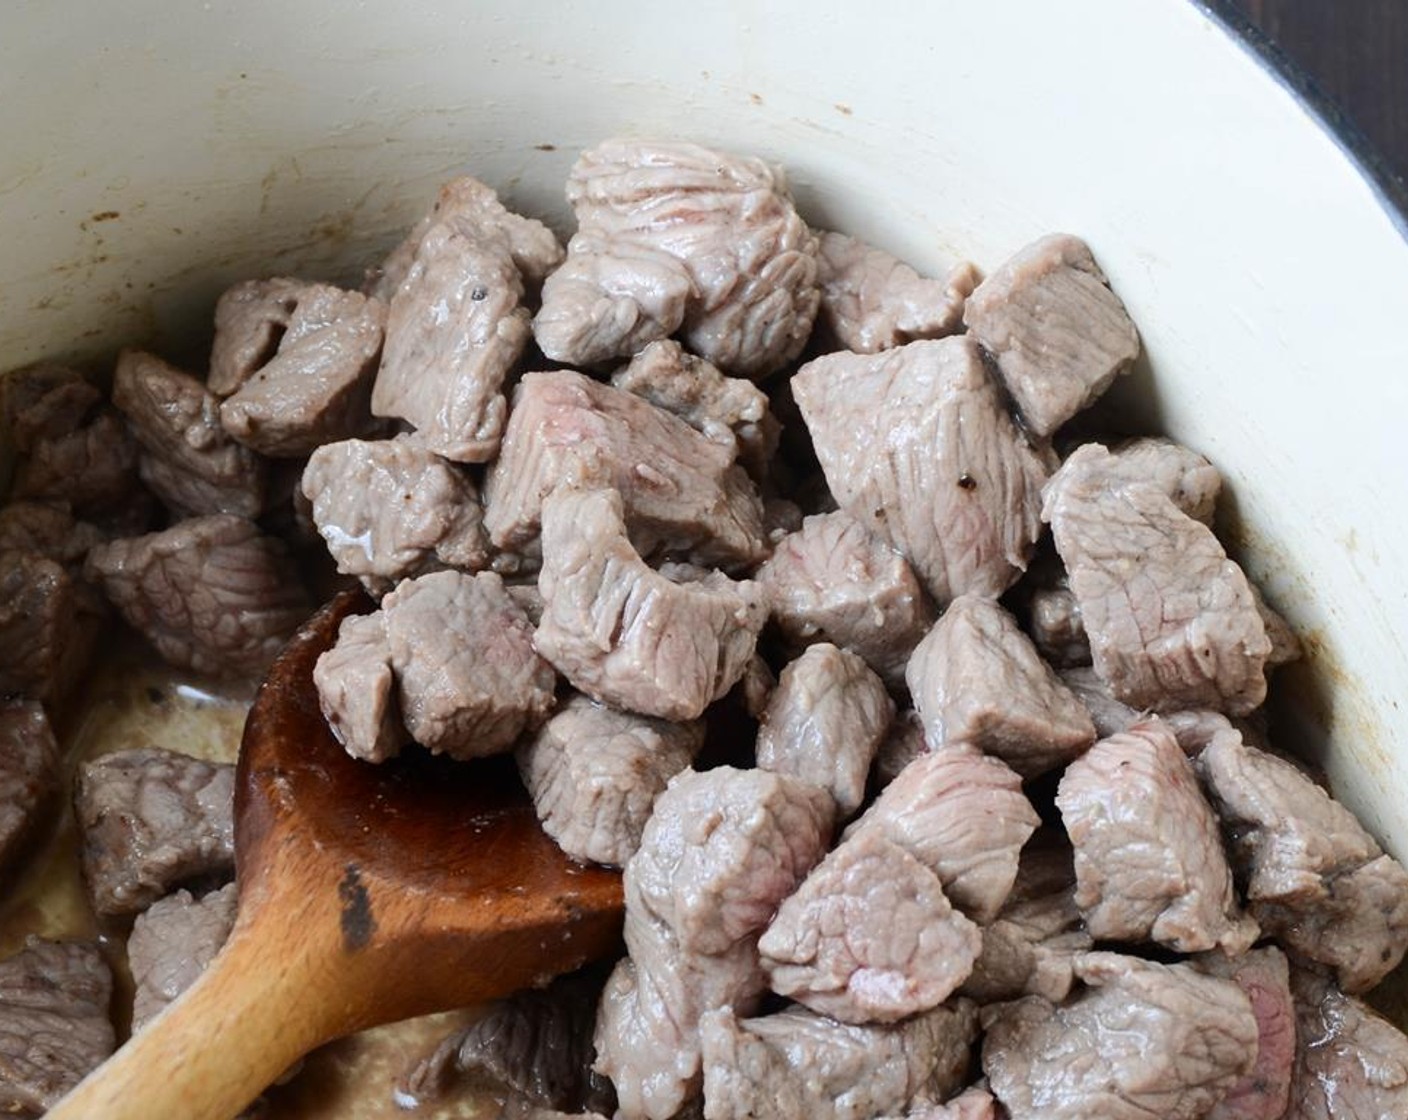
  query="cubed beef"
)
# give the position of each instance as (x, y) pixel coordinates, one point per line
(756, 686)
(682, 492)
(251, 319)
(152, 820)
(1172, 622)
(977, 679)
(963, 815)
(93, 468)
(1058, 333)
(971, 1104)
(916, 444)
(1142, 1040)
(1149, 859)
(45, 401)
(1057, 628)
(833, 580)
(1316, 880)
(54, 1026)
(357, 690)
(1285, 645)
(626, 634)
(1264, 976)
(825, 722)
(49, 623)
(675, 237)
(1194, 729)
(48, 530)
(29, 777)
(594, 774)
(1186, 477)
(903, 743)
(172, 943)
(213, 594)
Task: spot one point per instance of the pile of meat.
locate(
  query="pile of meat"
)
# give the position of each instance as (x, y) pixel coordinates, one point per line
(923, 811)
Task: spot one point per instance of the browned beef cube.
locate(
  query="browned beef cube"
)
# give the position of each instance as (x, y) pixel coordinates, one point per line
(29, 777)
(47, 530)
(626, 634)
(251, 319)
(1190, 481)
(49, 622)
(873, 301)
(1149, 858)
(1060, 336)
(682, 492)
(1057, 629)
(824, 723)
(212, 594)
(152, 820)
(357, 690)
(172, 943)
(916, 444)
(869, 936)
(188, 459)
(54, 1026)
(469, 680)
(1316, 880)
(93, 468)
(44, 401)
(1172, 622)
(594, 774)
(977, 679)
(1264, 977)
(1142, 1040)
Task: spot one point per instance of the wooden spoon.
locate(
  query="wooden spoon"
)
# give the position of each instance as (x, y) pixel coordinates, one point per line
(367, 894)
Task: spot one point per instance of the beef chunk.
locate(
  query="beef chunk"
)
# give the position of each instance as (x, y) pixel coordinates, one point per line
(799, 1066)
(1194, 729)
(1142, 1040)
(627, 635)
(29, 777)
(835, 581)
(46, 530)
(728, 410)
(915, 443)
(45, 402)
(1057, 628)
(903, 743)
(357, 690)
(212, 594)
(869, 936)
(963, 815)
(54, 1027)
(675, 237)
(456, 323)
(825, 722)
(1186, 477)
(1350, 1062)
(1285, 645)
(316, 387)
(188, 459)
(972, 1104)
(251, 319)
(151, 820)
(1172, 622)
(1263, 975)
(172, 943)
(594, 774)
(1316, 880)
(873, 301)
(682, 492)
(92, 468)
(1060, 336)
(389, 509)
(1149, 858)
(469, 682)
(977, 679)
(49, 623)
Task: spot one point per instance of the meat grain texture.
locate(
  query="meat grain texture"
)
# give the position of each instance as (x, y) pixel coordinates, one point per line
(172, 943)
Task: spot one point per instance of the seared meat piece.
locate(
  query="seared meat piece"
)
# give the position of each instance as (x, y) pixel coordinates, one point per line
(972, 1104)
(45, 402)
(963, 815)
(1186, 477)
(977, 679)
(902, 745)
(869, 936)
(1142, 1040)
(873, 301)
(54, 1026)
(835, 581)
(462, 650)
(1060, 336)
(189, 461)
(824, 723)
(316, 387)
(152, 820)
(627, 635)
(730, 411)
(29, 777)
(1057, 628)
(251, 319)
(757, 686)
(1263, 975)
(357, 690)
(682, 492)
(1316, 880)
(1285, 646)
(594, 774)
(1350, 1062)
(1149, 858)
(92, 468)
(672, 236)
(46, 530)
(456, 323)
(212, 594)
(389, 509)
(1172, 622)
(172, 943)
(49, 623)
(799, 1066)
(916, 444)
(1194, 729)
